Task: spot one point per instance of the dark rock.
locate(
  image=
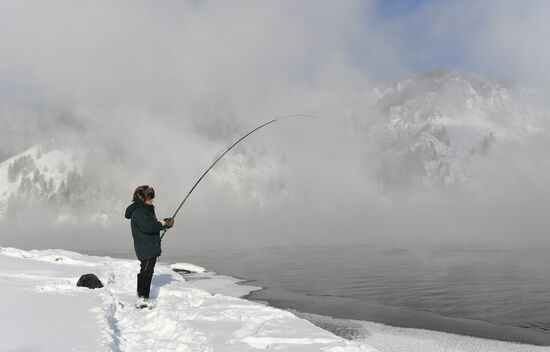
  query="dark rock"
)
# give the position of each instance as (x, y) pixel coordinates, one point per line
(182, 271)
(89, 281)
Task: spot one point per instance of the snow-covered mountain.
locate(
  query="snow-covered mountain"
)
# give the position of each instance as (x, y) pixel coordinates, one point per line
(37, 174)
(433, 127)
(49, 178)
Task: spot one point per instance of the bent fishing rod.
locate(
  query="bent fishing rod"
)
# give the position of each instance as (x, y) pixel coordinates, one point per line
(227, 151)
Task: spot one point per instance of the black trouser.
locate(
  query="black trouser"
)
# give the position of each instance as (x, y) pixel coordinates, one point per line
(145, 276)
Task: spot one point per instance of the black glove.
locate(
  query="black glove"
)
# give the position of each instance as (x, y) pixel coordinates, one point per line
(169, 222)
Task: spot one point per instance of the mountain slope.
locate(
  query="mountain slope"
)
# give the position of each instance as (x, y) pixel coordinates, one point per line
(38, 174)
(433, 126)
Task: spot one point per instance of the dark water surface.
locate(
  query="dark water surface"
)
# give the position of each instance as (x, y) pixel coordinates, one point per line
(478, 291)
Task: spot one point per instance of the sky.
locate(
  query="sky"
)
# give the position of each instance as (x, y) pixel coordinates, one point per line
(382, 39)
(157, 90)
(499, 39)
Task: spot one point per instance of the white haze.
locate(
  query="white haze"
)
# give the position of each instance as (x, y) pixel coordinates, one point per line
(156, 90)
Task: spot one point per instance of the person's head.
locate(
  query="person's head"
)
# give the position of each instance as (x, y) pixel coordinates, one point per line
(145, 194)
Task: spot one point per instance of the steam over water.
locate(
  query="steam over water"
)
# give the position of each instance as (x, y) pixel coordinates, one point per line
(480, 291)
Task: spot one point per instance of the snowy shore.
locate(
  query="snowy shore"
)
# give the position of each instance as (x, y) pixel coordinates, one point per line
(44, 310)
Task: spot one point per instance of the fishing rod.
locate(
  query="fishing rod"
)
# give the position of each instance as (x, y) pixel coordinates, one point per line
(221, 156)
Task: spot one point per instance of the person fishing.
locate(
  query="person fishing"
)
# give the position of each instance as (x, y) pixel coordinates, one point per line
(146, 234)
(146, 227)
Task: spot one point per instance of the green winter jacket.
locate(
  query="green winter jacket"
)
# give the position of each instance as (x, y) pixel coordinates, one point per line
(145, 230)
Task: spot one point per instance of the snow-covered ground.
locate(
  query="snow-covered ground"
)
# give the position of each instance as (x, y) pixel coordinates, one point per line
(44, 310)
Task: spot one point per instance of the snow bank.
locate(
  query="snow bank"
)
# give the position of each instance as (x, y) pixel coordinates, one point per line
(186, 267)
(47, 311)
(199, 277)
(388, 338)
(395, 339)
(225, 285)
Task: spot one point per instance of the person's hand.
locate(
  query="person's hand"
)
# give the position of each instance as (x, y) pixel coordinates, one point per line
(169, 222)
